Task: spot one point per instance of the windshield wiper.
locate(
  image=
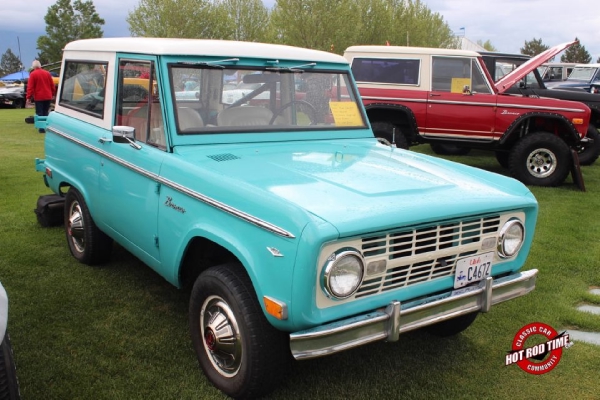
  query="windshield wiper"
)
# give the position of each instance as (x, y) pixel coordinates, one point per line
(211, 64)
(296, 68)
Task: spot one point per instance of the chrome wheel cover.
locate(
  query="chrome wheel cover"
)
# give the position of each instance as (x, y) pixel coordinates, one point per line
(541, 163)
(76, 227)
(221, 336)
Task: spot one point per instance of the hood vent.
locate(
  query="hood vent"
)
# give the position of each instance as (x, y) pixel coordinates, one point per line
(224, 157)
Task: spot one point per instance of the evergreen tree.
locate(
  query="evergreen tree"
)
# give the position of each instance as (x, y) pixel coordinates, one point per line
(9, 63)
(576, 54)
(65, 22)
(533, 47)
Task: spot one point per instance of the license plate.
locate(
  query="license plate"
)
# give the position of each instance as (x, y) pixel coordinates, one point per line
(473, 269)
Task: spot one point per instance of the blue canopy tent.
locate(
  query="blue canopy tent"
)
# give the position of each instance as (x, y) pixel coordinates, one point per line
(16, 76)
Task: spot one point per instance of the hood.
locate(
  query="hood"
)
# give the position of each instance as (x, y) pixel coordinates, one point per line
(352, 184)
(513, 77)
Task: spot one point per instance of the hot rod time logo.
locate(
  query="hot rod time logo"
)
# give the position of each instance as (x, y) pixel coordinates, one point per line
(543, 351)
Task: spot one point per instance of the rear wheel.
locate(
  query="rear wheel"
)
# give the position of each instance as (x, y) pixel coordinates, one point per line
(445, 149)
(589, 152)
(540, 159)
(87, 243)
(240, 352)
(391, 133)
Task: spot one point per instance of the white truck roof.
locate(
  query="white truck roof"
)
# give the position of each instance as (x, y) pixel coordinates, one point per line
(201, 47)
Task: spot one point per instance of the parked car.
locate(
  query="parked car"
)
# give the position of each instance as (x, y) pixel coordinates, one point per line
(9, 384)
(533, 85)
(13, 95)
(294, 227)
(447, 98)
(581, 78)
(555, 71)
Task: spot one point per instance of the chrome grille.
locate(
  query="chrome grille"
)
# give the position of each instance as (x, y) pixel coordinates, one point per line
(422, 253)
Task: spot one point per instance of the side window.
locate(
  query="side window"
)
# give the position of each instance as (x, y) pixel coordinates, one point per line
(394, 71)
(453, 74)
(83, 87)
(139, 102)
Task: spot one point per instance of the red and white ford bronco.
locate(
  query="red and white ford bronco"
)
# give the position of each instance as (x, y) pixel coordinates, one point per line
(447, 98)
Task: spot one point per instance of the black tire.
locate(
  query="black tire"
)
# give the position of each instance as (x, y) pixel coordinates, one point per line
(589, 152)
(391, 133)
(445, 149)
(246, 357)
(452, 326)
(88, 244)
(9, 384)
(502, 158)
(540, 159)
(19, 103)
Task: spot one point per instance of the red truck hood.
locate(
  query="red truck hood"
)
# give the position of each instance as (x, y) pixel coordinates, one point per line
(513, 77)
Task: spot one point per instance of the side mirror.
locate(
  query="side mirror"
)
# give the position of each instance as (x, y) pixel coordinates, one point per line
(125, 134)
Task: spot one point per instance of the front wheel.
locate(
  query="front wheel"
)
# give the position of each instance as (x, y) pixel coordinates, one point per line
(589, 152)
(238, 349)
(391, 133)
(540, 159)
(9, 385)
(87, 243)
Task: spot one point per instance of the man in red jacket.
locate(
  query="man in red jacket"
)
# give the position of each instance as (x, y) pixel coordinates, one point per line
(41, 89)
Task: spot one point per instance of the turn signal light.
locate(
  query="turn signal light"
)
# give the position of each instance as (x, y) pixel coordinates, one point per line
(275, 308)
(578, 121)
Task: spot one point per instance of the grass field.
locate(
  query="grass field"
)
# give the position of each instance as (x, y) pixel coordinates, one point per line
(119, 331)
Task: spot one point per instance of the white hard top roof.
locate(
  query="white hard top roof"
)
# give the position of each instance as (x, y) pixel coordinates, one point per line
(406, 50)
(202, 47)
(587, 66)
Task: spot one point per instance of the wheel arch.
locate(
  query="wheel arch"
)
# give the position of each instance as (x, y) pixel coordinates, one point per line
(532, 122)
(396, 114)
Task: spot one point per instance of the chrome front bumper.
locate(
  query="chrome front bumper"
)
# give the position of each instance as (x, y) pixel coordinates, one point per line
(387, 324)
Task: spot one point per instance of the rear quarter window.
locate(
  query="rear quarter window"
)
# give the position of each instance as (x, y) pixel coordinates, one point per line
(392, 71)
(83, 87)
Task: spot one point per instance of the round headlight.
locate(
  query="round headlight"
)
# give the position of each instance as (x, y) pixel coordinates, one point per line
(511, 238)
(343, 273)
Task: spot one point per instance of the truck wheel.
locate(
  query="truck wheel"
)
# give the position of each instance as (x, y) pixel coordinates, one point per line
(19, 103)
(540, 159)
(452, 326)
(88, 244)
(240, 352)
(9, 385)
(589, 152)
(391, 133)
(444, 149)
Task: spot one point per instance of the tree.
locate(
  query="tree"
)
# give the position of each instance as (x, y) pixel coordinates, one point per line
(576, 54)
(533, 47)
(174, 18)
(487, 45)
(246, 20)
(66, 22)
(316, 24)
(9, 63)
(335, 25)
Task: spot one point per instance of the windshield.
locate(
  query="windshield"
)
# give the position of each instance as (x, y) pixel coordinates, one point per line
(262, 99)
(582, 73)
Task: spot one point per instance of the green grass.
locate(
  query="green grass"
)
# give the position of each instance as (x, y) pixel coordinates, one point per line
(120, 331)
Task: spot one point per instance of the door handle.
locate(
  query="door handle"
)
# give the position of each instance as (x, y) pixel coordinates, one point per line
(434, 94)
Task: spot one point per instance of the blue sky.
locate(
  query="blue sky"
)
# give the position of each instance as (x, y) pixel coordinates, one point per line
(507, 23)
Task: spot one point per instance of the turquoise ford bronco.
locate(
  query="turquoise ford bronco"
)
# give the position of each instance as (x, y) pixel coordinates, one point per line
(249, 173)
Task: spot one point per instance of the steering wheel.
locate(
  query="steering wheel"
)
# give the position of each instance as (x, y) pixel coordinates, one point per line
(312, 115)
